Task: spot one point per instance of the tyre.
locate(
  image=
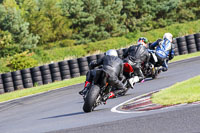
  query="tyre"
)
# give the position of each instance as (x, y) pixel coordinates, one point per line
(28, 85)
(66, 77)
(66, 67)
(72, 66)
(99, 56)
(83, 59)
(35, 69)
(16, 73)
(65, 72)
(90, 99)
(2, 91)
(25, 71)
(75, 75)
(17, 77)
(82, 64)
(36, 74)
(74, 61)
(63, 63)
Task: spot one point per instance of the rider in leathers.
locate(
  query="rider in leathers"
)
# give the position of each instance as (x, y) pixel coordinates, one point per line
(113, 66)
(135, 56)
(164, 50)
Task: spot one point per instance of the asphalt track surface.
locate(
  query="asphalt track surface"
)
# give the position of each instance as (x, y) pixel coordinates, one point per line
(60, 111)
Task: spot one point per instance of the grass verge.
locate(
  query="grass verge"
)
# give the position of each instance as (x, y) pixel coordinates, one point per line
(65, 83)
(39, 89)
(182, 92)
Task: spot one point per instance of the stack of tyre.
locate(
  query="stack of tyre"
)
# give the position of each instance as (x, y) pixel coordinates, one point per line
(8, 82)
(182, 45)
(64, 70)
(46, 74)
(55, 72)
(1, 85)
(197, 41)
(27, 78)
(191, 45)
(83, 65)
(36, 76)
(17, 80)
(74, 68)
(176, 52)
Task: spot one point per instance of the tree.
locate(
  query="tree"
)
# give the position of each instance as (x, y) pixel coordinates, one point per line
(94, 20)
(46, 20)
(11, 21)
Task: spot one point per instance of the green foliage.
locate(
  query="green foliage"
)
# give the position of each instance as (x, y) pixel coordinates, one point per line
(94, 20)
(46, 20)
(11, 21)
(22, 61)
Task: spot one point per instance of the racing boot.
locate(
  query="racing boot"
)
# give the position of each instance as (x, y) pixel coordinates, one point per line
(86, 87)
(108, 96)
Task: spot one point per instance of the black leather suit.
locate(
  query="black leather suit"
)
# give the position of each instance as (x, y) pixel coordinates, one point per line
(113, 66)
(135, 56)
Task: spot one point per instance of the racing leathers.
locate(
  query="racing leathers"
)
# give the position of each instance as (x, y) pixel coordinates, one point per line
(135, 56)
(164, 51)
(113, 67)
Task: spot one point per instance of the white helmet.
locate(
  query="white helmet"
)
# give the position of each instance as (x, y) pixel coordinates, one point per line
(168, 36)
(112, 52)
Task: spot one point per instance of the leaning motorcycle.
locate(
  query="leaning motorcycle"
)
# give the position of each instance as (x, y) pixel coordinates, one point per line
(153, 68)
(99, 88)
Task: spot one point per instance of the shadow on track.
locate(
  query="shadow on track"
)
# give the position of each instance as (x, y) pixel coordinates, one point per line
(65, 115)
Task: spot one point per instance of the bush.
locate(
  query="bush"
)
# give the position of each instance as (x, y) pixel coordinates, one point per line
(22, 61)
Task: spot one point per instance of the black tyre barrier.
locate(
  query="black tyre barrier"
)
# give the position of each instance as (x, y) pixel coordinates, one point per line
(8, 82)
(99, 56)
(191, 46)
(64, 70)
(182, 45)
(91, 58)
(83, 65)
(17, 80)
(75, 75)
(1, 86)
(74, 68)
(197, 41)
(176, 46)
(55, 72)
(36, 76)
(46, 74)
(27, 78)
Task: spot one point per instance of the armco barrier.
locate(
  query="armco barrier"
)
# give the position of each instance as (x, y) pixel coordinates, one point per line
(67, 69)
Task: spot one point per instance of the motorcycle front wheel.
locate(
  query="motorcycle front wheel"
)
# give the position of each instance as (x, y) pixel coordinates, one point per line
(91, 98)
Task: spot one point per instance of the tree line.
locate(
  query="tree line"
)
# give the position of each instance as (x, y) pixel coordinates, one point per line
(27, 24)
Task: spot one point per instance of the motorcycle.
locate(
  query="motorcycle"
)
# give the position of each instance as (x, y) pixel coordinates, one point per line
(153, 69)
(99, 89)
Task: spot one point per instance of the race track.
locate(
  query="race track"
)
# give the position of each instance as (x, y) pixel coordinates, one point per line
(60, 111)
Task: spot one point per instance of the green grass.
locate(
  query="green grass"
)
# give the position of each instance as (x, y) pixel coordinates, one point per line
(39, 89)
(183, 92)
(65, 83)
(186, 56)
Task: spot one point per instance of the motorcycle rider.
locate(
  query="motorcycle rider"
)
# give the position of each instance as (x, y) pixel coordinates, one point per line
(113, 66)
(135, 56)
(164, 50)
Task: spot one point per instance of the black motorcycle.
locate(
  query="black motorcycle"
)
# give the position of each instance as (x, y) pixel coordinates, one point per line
(153, 68)
(98, 90)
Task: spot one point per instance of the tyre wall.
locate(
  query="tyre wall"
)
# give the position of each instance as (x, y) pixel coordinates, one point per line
(68, 69)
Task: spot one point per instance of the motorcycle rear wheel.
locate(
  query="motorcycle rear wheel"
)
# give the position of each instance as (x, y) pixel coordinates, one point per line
(90, 100)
